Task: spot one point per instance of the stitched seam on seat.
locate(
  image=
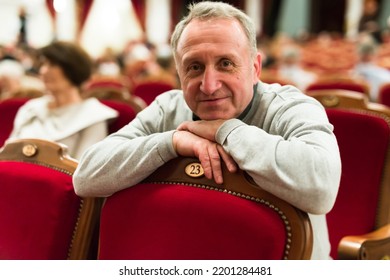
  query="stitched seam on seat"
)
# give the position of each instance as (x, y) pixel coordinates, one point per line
(81, 203)
(252, 198)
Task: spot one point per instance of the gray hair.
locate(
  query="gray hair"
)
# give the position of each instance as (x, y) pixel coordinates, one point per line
(216, 10)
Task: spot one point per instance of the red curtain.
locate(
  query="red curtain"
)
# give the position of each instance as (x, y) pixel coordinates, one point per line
(84, 12)
(139, 8)
(50, 7)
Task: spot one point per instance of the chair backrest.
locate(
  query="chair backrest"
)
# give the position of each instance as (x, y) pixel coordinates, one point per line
(28, 93)
(149, 90)
(8, 110)
(41, 217)
(340, 83)
(177, 213)
(115, 94)
(347, 99)
(363, 203)
(126, 114)
(384, 94)
(118, 82)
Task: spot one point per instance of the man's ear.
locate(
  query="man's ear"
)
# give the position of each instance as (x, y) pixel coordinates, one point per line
(256, 68)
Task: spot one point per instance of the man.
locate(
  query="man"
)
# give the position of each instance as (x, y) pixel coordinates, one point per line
(280, 136)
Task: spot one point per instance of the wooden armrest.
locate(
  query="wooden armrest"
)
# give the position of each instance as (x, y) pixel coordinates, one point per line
(371, 246)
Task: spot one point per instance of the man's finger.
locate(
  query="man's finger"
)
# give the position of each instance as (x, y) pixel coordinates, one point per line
(229, 161)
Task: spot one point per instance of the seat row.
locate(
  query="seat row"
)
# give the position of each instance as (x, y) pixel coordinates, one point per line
(174, 214)
(177, 213)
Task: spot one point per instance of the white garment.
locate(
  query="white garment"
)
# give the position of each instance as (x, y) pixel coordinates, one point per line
(300, 77)
(77, 125)
(375, 75)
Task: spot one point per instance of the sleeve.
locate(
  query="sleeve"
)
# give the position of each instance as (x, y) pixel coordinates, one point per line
(296, 159)
(125, 157)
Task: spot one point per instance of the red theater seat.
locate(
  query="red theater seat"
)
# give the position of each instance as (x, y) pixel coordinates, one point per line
(126, 114)
(340, 83)
(149, 90)
(171, 215)
(359, 223)
(41, 216)
(8, 110)
(384, 94)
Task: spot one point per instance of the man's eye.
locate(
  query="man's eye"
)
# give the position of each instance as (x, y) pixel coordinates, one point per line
(194, 67)
(226, 63)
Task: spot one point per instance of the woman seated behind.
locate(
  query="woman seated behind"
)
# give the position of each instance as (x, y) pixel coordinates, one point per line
(62, 115)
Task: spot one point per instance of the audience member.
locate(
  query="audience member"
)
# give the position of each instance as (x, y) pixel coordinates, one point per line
(11, 73)
(290, 68)
(139, 63)
(369, 70)
(369, 20)
(62, 115)
(14, 82)
(166, 66)
(108, 64)
(281, 137)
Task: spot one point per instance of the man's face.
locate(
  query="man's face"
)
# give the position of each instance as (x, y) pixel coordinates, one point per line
(215, 68)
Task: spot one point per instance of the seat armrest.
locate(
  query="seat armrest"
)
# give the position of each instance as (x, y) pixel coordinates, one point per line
(371, 246)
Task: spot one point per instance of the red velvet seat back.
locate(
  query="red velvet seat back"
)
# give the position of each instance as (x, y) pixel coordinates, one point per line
(38, 212)
(180, 222)
(357, 87)
(8, 110)
(173, 216)
(363, 141)
(41, 217)
(384, 95)
(149, 90)
(105, 83)
(126, 114)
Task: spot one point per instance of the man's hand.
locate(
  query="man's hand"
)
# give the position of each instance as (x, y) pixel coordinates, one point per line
(208, 152)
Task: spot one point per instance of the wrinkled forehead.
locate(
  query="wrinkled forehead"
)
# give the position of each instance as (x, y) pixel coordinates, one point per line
(211, 31)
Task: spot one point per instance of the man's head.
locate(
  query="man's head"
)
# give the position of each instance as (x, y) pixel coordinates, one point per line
(217, 60)
(216, 10)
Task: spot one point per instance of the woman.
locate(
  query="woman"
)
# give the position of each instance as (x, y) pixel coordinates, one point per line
(62, 115)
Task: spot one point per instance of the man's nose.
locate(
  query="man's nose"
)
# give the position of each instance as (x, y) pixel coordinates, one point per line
(210, 81)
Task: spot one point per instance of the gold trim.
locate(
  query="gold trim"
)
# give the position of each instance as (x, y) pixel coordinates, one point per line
(330, 101)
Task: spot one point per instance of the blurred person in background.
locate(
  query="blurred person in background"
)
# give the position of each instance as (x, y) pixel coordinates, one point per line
(369, 70)
(11, 73)
(15, 83)
(62, 115)
(290, 68)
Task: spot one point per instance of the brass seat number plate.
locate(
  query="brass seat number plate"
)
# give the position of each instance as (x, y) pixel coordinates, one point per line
(194, 170)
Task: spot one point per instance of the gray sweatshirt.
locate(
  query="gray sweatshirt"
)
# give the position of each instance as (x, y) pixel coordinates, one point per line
(284, 141)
